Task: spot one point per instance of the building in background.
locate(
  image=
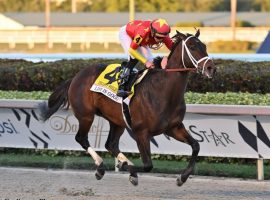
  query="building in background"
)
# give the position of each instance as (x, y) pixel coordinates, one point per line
(9, 23)
(88, 19)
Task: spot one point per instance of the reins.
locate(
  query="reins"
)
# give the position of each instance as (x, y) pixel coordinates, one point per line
(181, 70)
(192, 59)
(166, 70)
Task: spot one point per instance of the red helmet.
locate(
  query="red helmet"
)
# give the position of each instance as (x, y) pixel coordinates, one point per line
(160, 27)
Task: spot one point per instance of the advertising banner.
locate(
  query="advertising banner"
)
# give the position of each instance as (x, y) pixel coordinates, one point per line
(241, 136)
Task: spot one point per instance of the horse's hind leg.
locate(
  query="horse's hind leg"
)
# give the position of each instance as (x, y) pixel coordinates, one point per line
(112, 145)
(180, 133)
(82, 138)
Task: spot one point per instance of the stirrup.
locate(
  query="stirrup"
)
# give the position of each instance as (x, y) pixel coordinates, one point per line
(123, 93)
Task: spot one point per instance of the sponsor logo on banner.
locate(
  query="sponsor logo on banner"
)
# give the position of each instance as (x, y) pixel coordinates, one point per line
(7, 127)
(210, 136)
(67, 124)
(63, 124)
(224, 136)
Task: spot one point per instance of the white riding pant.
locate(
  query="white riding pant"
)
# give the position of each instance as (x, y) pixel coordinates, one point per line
(126, 40)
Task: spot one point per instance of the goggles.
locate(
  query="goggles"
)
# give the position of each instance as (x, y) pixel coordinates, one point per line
(160, 36)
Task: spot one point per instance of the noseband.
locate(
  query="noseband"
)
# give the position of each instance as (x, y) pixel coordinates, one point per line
(193, 60)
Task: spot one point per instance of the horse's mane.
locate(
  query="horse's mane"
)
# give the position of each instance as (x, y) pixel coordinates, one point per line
(176, 40)
(157, 62)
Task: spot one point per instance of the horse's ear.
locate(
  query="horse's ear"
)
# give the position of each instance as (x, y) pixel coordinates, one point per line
(180, 35)
(197, 33)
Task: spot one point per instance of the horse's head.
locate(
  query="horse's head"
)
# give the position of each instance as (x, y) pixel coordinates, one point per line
(193, 53)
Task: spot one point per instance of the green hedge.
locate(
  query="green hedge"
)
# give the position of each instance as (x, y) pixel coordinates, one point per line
(234, 76)
(231, 76)
(28, 76)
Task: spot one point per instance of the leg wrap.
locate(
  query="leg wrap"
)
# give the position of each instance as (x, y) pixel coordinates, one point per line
(122, 158)
(98, 160)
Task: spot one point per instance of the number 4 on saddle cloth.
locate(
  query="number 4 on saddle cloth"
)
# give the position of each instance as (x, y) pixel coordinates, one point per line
(107, 83)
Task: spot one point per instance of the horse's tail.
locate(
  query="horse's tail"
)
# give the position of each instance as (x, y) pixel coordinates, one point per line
(58, 99)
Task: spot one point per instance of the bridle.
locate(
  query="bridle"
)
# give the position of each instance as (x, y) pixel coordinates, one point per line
(192, 59)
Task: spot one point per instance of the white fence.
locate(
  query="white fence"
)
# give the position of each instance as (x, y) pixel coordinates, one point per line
(106, 35)
(222, 131)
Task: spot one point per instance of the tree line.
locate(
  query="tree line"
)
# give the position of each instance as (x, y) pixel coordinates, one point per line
(140, 5)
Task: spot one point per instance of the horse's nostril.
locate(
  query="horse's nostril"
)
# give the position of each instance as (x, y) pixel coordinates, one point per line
(211, 68)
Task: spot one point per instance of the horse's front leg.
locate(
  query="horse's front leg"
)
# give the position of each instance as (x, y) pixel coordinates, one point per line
(180, 133)
(143, 143)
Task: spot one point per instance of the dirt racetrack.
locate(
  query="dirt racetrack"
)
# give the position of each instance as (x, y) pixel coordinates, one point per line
(37, 184)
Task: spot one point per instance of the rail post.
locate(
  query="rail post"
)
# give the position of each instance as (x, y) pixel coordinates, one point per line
(116, 169)
(260, 170)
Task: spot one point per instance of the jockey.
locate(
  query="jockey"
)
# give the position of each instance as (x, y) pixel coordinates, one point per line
(136, 38)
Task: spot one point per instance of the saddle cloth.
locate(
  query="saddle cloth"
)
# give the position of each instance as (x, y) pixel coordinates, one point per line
(107, 83)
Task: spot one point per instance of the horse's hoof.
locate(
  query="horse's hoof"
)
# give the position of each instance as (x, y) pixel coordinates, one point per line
(179, 182)
(99, 175)
(122, 165)
(100, 172)
(133, 180)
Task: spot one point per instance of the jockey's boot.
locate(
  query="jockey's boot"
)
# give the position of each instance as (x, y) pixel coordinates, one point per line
(124, 88)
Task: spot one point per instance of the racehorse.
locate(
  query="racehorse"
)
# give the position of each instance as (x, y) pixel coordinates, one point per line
(158, 106)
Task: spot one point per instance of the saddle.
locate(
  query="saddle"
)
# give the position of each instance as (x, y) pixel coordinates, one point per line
(107, 83)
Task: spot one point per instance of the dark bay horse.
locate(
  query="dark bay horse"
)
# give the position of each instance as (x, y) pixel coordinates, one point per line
(157, 108)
